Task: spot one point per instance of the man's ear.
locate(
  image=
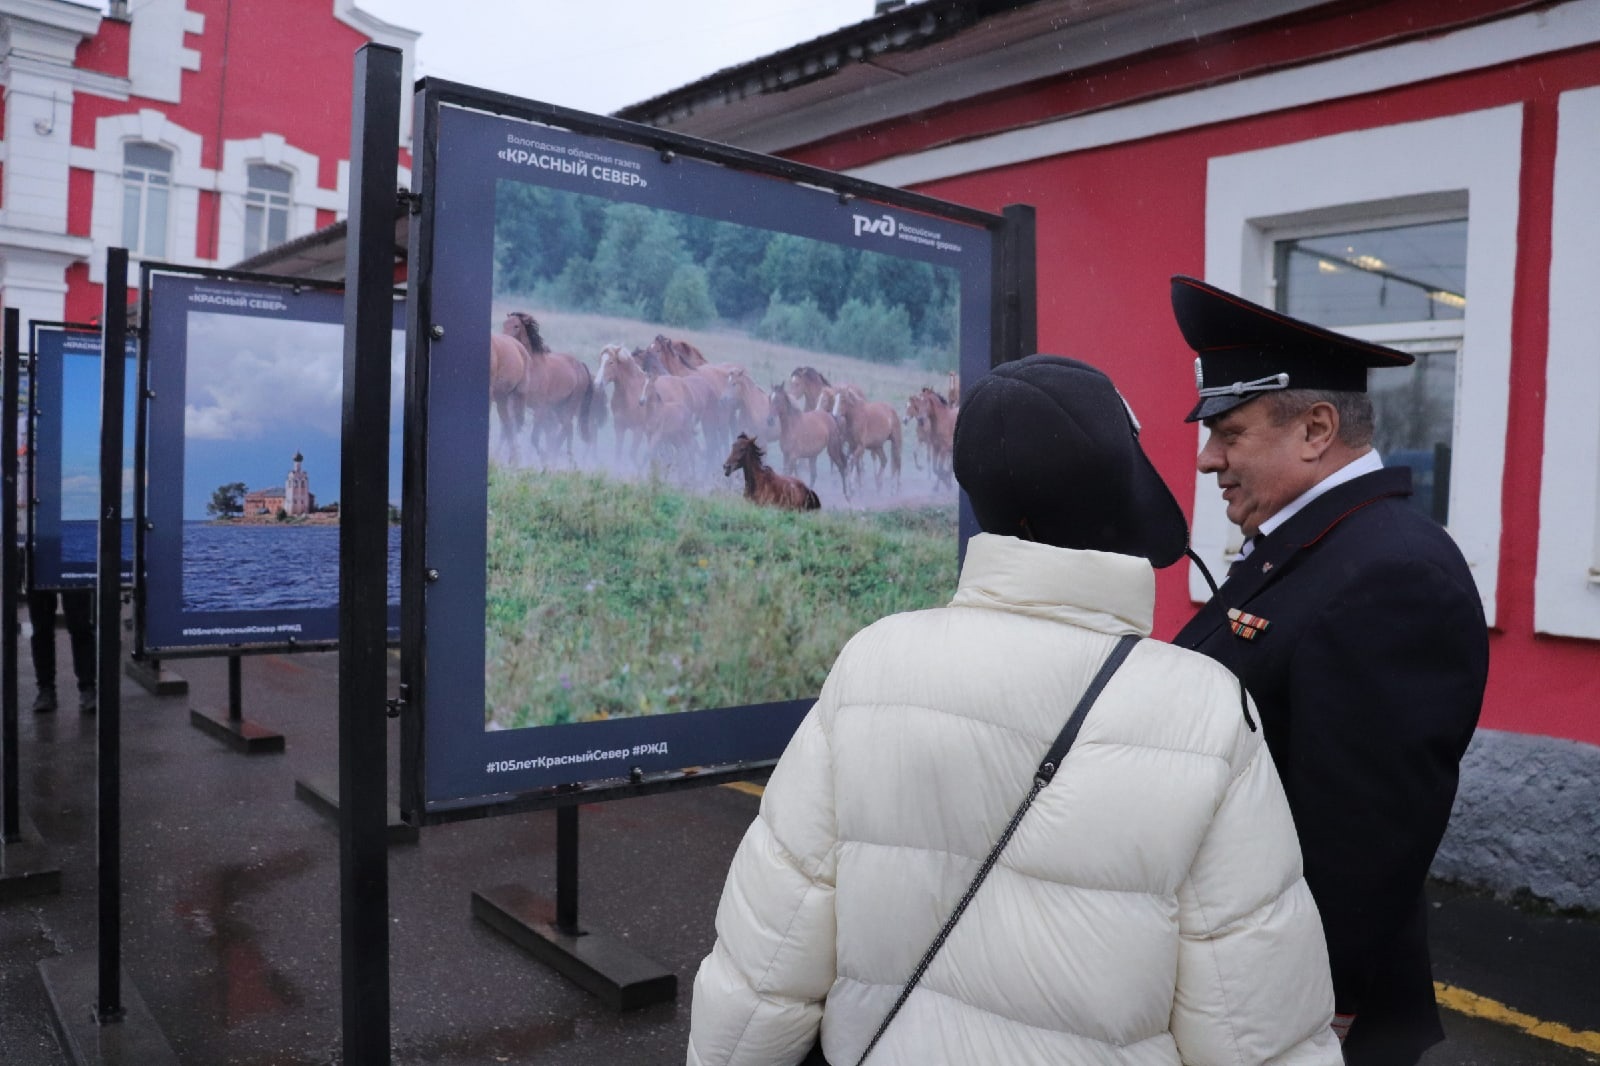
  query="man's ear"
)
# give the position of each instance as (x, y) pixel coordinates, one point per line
(1320, 424)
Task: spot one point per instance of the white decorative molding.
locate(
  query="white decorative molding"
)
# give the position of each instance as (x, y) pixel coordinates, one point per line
(156, 55)
(1564, 26)
(1566, 587)
(381, 32)
(1376, 175)
(233, 183)
(189, 178)
(33, 272)
(38, 112)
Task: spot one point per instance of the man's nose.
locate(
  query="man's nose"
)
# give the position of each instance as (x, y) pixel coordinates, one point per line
(1209, 460)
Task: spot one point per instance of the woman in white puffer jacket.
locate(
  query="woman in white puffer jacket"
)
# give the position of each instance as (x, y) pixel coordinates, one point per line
(1150, 908)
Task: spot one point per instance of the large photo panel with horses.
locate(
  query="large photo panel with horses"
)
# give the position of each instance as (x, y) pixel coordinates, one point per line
(711, 440)
(243, 493)
(65, 525)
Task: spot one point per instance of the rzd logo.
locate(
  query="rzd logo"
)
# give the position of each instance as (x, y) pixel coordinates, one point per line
(884, 225)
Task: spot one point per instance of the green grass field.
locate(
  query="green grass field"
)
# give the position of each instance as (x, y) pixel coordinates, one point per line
(608, 599)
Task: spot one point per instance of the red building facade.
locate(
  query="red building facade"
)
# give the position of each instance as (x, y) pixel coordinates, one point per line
(195, 132)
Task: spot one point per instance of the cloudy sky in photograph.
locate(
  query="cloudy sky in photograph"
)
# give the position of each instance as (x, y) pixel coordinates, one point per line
(258, 390)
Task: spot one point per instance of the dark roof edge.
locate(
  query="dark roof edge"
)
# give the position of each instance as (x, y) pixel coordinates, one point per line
(903, 30)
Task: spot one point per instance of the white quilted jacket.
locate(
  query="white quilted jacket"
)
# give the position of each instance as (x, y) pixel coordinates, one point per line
(1149, 909)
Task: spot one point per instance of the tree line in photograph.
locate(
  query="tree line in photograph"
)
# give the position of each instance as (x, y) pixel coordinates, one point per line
(633, 261)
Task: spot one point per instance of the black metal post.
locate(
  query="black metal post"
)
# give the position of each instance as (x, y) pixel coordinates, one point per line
(8, 575)
(108, 633)
(363, 558)
(235, 688)
(1017, 321)
(567, 870)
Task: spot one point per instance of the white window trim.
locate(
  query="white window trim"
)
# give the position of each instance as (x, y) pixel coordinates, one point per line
(1566, 587)
(233, 182)
(183, 203)
(1375, 175)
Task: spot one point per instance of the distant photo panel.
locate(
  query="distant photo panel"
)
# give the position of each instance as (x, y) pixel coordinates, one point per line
(244, 487)
(65, 453)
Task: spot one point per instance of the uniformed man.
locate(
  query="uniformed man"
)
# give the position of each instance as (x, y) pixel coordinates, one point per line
(1354, 622)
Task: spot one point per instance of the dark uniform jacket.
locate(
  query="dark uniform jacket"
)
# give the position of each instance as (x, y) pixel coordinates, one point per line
(1362, 641)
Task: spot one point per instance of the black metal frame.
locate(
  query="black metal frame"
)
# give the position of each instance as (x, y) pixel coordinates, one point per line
(363, 562)
(141, 651)
(108, 636)
(12, 828)
(1012, 309)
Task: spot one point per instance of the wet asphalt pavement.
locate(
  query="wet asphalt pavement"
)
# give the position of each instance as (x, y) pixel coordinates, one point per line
(230, 903)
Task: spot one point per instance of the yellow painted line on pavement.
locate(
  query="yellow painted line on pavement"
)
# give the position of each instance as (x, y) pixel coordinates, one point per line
(749, 788)
(1470, 1003)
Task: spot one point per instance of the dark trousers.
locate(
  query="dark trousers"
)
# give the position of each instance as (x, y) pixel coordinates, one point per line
(78, 607)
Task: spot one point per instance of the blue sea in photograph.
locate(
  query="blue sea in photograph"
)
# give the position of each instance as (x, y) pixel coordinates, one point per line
(230, 567)
(80, 547)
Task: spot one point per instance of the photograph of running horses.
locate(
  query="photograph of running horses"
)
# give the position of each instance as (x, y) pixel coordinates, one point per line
(715, 452)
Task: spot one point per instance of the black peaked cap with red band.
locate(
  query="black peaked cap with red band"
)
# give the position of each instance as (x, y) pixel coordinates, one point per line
(1248, 349)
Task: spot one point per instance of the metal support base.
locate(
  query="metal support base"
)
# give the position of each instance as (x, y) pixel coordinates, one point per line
(26, 868)
(155, 678)
(325, 801)
(237, 733)
(622, 978)
(134, 1039)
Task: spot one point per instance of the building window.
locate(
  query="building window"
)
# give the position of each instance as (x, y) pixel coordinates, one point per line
(146, 186)
(1404, 286)
(266, 208)
(1398, 194)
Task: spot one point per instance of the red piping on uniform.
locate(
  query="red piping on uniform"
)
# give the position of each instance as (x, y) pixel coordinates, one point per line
(1347, 514)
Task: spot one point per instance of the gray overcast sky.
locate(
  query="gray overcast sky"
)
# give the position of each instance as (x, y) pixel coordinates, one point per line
(601, 55)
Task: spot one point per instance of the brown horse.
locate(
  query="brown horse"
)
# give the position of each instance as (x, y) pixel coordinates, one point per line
(804, 435)
(557, 388)
(508, 369)
(806, 383)
(701, 398)
(747, 403)
(868, 426)
(668, 427)
(936, 422)
(620, 370)
(766, 486)
(679, 357)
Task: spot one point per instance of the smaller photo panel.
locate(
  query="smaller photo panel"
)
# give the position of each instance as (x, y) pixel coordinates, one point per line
(242, 545)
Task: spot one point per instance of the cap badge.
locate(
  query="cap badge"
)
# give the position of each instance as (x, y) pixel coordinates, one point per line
(1199, 374)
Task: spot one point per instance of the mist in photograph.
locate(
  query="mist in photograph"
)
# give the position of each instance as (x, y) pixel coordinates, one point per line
(645, 367)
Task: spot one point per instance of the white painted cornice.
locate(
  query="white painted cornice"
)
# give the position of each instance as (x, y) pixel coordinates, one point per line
(74, 78)
(1076, 45)
(53, 14)
(70, 248)
(1570, 25)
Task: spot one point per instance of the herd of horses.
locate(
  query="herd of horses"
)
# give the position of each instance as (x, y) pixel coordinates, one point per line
(672, 409)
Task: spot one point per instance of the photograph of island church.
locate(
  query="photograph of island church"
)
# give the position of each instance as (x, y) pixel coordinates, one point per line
(261, 464)
(293, 500)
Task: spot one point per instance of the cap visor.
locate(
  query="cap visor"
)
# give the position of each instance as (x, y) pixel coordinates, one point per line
(1212, 406)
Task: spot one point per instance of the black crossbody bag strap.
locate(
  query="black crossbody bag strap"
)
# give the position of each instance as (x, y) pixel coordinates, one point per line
(1047, 770)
